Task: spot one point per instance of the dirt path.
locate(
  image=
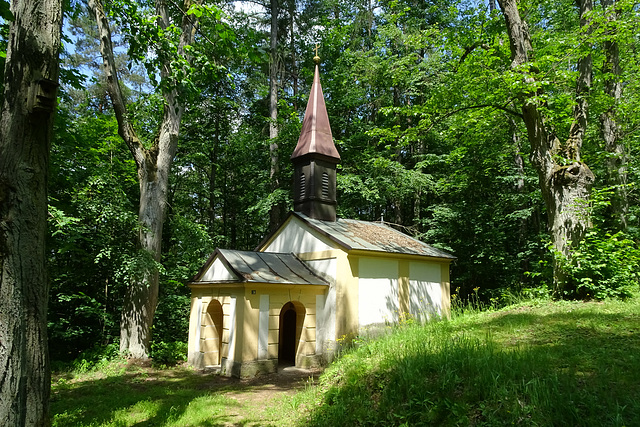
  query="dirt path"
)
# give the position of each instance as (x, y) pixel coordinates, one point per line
(259, 398)
(135, 394)
(287, 381)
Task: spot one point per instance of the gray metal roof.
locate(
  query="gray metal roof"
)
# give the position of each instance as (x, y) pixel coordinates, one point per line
(263, 267)
(372, 236)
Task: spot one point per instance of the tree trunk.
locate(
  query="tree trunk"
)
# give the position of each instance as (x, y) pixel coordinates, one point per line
(213, 172)
(518, 164)
(565, 186)
(29, 101)
(294, 67)
(154, 165)
(616, 163)
(274, 213)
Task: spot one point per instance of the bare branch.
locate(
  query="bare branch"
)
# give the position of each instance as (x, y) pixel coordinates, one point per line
(125, 129)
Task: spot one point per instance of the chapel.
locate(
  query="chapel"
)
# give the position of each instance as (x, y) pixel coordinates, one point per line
(314, 283)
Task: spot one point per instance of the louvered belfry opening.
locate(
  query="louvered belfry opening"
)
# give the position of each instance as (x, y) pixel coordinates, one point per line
(315, 159)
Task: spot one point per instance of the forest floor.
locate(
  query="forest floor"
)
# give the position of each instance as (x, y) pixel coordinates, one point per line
(140, 395)
(537, 362)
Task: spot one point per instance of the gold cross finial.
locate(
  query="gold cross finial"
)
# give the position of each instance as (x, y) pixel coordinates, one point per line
(316, 58)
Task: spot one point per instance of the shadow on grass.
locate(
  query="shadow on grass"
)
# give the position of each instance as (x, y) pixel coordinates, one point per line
(561, 368)
(155, 398)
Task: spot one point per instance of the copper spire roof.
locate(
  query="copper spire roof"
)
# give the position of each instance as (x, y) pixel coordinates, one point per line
(316, 132)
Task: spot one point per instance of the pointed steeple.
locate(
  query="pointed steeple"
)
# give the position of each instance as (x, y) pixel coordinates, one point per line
(315, 159)
(316, 135)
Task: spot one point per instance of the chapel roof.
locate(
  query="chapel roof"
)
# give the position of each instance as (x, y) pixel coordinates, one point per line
(316, 137)
(372, 236)
(262, 267)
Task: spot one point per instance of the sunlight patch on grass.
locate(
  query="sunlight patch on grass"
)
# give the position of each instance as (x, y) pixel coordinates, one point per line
(134, 414)
(204, 410)
(564, 363)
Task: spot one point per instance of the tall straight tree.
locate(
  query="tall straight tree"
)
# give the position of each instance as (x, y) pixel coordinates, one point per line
(616, 163)
(28, 105)
(153, 165)
(274, 212)
(565, 180)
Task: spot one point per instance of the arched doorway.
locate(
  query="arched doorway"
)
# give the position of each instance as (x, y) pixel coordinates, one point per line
(291, 322)
(212, 334)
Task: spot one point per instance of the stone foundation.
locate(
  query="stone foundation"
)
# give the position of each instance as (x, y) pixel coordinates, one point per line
(231, 368)
(310, 361)
(196, 359)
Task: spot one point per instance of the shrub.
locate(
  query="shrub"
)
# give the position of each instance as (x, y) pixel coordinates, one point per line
(96, 357)
(168, 353)
(602, 266)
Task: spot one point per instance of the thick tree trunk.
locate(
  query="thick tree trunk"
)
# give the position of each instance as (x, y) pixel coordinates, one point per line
(29, 100)
(154, 165)
(616, 163)
(566, 186)
(274, 213)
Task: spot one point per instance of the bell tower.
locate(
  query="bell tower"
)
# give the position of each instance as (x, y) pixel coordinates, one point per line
(315, 159)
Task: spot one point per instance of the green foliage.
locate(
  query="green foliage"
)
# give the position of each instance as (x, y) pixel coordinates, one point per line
(603, 265)
(92, 230)
(142, 33)
(424, 110)
(168, 353)
(96, 358)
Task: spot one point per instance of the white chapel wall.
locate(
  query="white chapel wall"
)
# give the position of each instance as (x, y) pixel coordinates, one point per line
(378, 300)
(325, 304)
(425, 293)
(217, 271)
(295, 238)
(325, 268)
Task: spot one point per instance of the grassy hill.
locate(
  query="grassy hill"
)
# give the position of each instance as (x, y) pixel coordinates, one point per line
(544, 363)
(537, 363)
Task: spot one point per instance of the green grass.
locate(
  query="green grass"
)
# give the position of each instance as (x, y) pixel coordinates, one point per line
(566, 363)
(122, 395)
(537, 363)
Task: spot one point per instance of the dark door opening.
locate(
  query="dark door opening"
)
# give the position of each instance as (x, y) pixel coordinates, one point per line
(288, 338)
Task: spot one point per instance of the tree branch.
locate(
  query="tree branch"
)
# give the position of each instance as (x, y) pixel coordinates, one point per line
(474, 107)
(125, 129)
(468, 51)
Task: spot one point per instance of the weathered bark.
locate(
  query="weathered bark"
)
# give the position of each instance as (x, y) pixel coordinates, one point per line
(274, 213)
(565, 186)
(29, 101)
(616, 163)
(518, 164)
(153, 165)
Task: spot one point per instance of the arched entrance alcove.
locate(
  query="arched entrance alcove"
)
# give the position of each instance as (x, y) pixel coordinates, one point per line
(291, 321)
(212, 334)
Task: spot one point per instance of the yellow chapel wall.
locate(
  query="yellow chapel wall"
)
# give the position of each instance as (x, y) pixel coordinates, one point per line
(232, 314)
(391, 287)
(278, 297)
